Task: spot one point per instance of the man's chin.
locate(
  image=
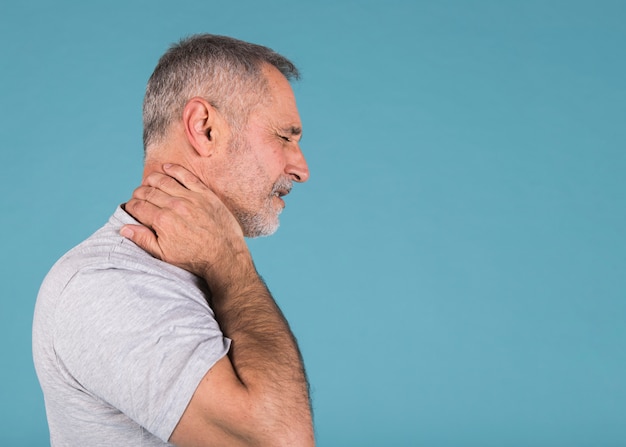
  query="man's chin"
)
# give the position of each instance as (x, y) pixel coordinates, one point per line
(259, 226)
(261, 232)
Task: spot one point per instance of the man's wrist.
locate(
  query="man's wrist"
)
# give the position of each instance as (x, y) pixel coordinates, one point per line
(241, 278)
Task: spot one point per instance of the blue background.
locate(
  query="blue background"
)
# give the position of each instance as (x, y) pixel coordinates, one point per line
(455, 269)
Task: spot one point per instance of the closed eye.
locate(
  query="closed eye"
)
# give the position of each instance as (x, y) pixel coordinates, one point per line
(295, 134)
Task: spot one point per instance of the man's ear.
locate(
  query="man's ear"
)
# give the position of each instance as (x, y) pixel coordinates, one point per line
(203, 125)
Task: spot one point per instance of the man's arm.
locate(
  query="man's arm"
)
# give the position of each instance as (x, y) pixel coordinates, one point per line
(258, 395)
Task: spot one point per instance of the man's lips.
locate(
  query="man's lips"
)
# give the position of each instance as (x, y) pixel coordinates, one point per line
(281, 188)
(281, 193)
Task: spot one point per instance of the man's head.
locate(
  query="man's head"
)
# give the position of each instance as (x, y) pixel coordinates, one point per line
(224, 109)
(226, 72)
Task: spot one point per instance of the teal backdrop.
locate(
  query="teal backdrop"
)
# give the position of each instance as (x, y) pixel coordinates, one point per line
(455, 269)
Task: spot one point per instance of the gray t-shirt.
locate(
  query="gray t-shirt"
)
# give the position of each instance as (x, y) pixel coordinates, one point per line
(121, 341)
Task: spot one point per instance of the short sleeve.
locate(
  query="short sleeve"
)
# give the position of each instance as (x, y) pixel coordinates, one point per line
(139, 342)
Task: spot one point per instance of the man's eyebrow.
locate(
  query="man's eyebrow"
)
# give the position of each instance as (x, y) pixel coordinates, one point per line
(293, 131)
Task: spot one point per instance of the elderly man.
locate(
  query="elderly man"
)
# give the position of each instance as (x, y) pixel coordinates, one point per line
(158, 330)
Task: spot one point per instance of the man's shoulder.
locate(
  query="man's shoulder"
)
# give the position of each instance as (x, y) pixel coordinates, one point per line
(107, 275)
(107, 254)
(106, 248)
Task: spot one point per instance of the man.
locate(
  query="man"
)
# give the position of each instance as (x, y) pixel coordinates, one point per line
(158, 329)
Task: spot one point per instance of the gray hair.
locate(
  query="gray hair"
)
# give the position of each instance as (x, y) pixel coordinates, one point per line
(224, 71)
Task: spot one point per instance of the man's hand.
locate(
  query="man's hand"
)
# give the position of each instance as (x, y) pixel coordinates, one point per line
(187, 225)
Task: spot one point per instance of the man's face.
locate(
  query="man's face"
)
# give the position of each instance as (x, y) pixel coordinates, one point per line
(265, 160)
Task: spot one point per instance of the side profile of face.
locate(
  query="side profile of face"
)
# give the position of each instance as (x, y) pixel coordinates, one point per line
(265, 160)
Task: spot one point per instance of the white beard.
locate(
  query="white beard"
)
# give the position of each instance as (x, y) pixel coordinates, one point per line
(264, 222)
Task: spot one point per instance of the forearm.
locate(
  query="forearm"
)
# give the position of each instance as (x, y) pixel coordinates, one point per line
(265, 354)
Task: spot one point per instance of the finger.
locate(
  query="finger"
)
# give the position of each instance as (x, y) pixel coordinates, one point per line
(154, 196)
(185, 177)
(165, 183)
(143, 211)
(144, 238)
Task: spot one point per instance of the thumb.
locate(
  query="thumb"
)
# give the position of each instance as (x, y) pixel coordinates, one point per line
(143, 237)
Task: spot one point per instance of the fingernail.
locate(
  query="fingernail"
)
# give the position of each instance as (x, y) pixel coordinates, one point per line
(167, 165)
(127, 232)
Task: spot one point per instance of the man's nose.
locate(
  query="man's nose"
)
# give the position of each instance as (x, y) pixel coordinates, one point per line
(297, 168)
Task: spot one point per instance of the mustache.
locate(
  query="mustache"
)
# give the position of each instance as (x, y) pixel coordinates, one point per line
(283, 185)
